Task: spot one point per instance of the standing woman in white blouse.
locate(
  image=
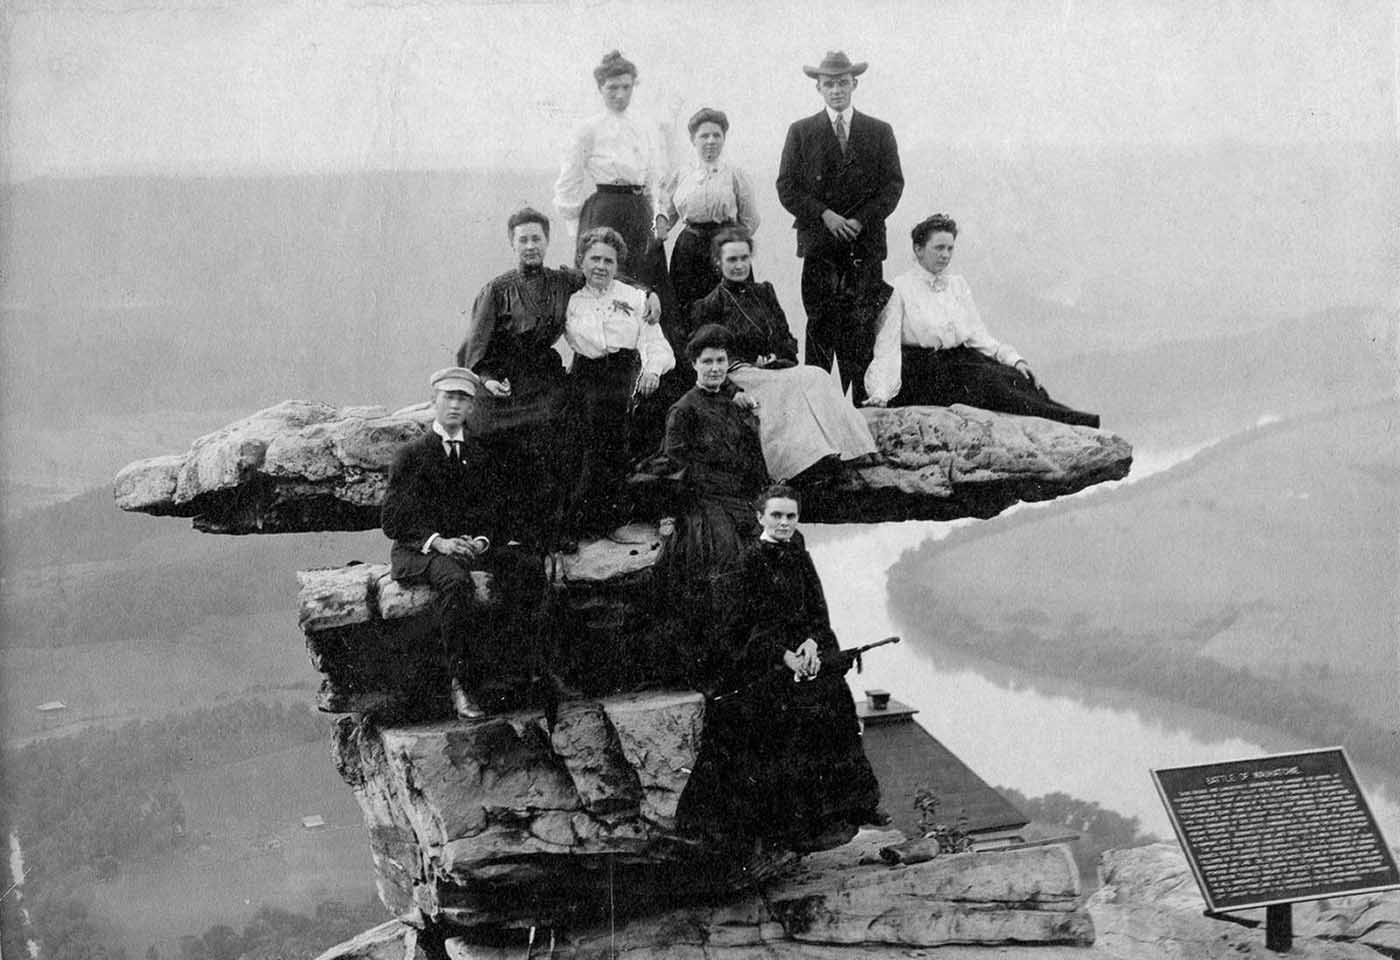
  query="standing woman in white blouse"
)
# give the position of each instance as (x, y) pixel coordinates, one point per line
(931, 347)
(618, 362)
(623, 157)
(707, 197)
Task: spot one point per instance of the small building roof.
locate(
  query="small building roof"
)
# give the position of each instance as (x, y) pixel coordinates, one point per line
(905, 757)
(313, 821)
(51, 706)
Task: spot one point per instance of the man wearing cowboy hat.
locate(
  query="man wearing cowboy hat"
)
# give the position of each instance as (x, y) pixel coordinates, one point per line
(840, 178)
(444, 511)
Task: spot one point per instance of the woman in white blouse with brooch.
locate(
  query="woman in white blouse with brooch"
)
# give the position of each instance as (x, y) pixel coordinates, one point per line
(709, 196)
(931, 347)
(618, 361)
(623, 157)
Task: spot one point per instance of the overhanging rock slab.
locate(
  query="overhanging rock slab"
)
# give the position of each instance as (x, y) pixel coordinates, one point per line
(298, 467)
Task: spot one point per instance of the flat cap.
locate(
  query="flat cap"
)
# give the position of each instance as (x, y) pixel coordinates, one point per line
(455, 378)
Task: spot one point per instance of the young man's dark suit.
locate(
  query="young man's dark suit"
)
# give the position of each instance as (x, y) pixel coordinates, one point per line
(842, 282)
(430, 493)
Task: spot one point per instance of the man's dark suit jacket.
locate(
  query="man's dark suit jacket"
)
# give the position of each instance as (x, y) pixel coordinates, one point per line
(429, 494)
(864, 184)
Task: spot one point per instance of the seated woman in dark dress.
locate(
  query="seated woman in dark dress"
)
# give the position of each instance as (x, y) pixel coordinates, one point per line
(712, 444)
(804, 418)
(781, 760)
(932, 348)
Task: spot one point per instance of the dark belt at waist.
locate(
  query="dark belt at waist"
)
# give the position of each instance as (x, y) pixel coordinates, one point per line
(623, 356)
(632, 188)
(959, 353)
(707, 227)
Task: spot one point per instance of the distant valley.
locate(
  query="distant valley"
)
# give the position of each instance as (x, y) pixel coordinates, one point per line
(1257, 580)
(1185, 295)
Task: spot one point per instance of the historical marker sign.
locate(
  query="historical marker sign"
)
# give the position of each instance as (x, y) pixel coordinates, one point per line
(1276, 829)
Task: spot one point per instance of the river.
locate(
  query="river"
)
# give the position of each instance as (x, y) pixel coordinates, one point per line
(1025, 731)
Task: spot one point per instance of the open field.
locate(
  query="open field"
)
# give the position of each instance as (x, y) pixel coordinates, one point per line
(218, 659)
(245, 847)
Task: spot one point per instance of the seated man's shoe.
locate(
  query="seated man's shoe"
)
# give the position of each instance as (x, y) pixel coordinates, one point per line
(876, 817)
(563, 690)
(463, 704)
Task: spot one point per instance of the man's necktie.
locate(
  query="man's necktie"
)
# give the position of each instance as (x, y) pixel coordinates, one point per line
(841, 136)
(456, 454)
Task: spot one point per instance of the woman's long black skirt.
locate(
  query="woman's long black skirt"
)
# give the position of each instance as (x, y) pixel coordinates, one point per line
(693, 271)
(630, 215)
(962, 375)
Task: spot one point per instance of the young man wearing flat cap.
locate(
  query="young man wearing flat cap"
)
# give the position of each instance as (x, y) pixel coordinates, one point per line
(840, 178)
(444, 511)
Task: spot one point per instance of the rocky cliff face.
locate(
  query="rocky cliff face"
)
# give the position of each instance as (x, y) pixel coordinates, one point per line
(302, 466)
(522, 821)
(512, 820)
(840, 905)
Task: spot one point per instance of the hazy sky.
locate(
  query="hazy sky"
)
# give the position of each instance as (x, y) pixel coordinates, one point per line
(195, 87)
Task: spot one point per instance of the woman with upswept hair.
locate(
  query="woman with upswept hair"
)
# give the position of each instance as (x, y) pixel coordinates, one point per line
(711, 195)
(807, 426)
(782, 759)
(623, 157)
(932, 348)
(618, 362)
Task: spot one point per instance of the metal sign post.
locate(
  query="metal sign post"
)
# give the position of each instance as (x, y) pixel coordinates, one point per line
(1271, 831)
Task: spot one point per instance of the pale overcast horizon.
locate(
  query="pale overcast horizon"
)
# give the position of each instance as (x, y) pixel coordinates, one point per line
(212, 88)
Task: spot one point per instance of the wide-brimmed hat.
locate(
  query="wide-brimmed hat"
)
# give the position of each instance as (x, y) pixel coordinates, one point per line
(834, 64)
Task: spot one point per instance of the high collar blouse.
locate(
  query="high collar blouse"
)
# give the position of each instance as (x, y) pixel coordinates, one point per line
(514, 323)
(935, 312)
(598, 323)
(609, 148)
(713, 193)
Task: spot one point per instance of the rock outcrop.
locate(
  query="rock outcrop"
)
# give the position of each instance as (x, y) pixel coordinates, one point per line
(839, 906)
(843, 897)
(568, 820)
(1149, 906)
(512, 820)
(302, 466)
(375, 639)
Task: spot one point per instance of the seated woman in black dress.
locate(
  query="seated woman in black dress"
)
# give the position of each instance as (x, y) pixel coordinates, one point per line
(804, 419)
(712, 444)
(781, 760)
(932, 348)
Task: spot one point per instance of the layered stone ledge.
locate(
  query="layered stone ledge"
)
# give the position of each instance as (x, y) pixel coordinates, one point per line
(514, 820)
(1148, 908)
(375, 640)
(306, 466)
(841, 903)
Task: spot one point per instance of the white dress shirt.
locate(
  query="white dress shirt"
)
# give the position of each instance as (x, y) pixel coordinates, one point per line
(931, 311)
(609, 148)
(845, 115)
(713, 193)
(599, 323)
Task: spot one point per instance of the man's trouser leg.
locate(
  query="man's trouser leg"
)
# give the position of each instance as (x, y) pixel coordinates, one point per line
(818, 291)
(861, 301)
(457, 606)
(842, 300)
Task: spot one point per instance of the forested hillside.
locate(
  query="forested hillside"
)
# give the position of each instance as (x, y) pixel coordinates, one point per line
(1258, 580)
